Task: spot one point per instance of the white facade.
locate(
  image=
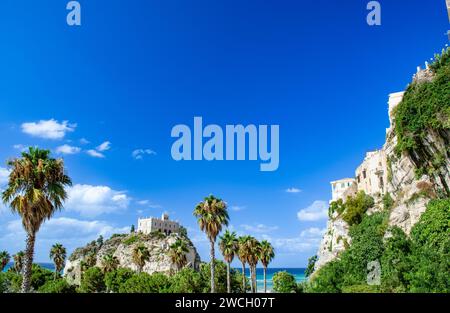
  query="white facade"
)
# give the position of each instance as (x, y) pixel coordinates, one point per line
(394, 100)
(339, 188)
(152, 224)
(371, 175)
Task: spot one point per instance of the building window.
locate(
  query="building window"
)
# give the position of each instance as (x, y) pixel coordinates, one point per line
(364, 174)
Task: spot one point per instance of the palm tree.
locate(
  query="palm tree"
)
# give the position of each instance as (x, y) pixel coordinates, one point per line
(254, 247)
(266, 255)
(140, 255)
(4, 260)
(229, 246)
(178, 252)
(242, 255)
(18, 261)
(109, 263)
(35, 191)
(58, 255)
(212, 214)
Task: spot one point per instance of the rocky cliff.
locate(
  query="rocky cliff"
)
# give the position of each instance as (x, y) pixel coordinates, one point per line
(121, 246)
(419, 170)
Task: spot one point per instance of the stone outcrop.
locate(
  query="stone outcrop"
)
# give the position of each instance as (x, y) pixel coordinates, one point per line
(335, 240)
(409, 192)
(121, 246)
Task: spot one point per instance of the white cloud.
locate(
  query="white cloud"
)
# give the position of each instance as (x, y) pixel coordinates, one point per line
(237, 208)
(318, 210)
(293, 190)
(63, 227)
(149, 204)
(20, 147)
(104, 146)
(313, 232)
(95, 154)
(48, 129)
(84, 141)
(70, 232)
(139, 154)
(92, 201)
(294, 245)
(259, 228)
(66, 149)
(4, 176)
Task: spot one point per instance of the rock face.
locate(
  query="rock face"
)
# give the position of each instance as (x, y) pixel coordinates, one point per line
(410, 193)
(335, 240)
(121, 246)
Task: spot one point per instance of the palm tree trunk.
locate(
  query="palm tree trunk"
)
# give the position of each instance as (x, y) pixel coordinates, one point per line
(252, 290)
(244, 289)
(56, 272)
(228, 278)
(255, 289)
(212, 255)
(265, 281)
(28, 263)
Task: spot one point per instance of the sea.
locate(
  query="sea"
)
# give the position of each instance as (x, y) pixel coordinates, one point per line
(298, 273)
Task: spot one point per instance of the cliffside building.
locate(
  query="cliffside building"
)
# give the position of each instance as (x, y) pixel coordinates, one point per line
(152, 224)
(371, 175)
(340, 187)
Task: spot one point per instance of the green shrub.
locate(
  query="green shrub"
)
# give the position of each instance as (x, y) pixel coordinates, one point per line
(363, 288)
(430, 271)
(311, 264)
(12, 281)
(57, 286)
(145, 283)
(336, 206)
(328, 279)
(388, 202)
(395, 262)
(116, 278)
(430, 257)
(4, 283)
(131, 239)
(351, 268)
(40, 276)
(188, 281)
(221, 278)
(356, 207)
(92, 281)
(433, 229)
(284, 282)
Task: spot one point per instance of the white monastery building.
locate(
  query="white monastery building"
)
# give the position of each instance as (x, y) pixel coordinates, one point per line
(153, 224)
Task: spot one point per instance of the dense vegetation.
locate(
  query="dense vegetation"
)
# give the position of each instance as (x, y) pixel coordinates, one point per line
(425, 110)
(124, 280)
(420, 263)
(283, 282)
(353, 209)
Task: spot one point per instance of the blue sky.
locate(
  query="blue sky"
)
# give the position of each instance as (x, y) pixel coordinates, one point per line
(135, 69)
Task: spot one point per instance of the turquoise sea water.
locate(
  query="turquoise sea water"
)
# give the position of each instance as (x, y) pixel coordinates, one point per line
(299, 274)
